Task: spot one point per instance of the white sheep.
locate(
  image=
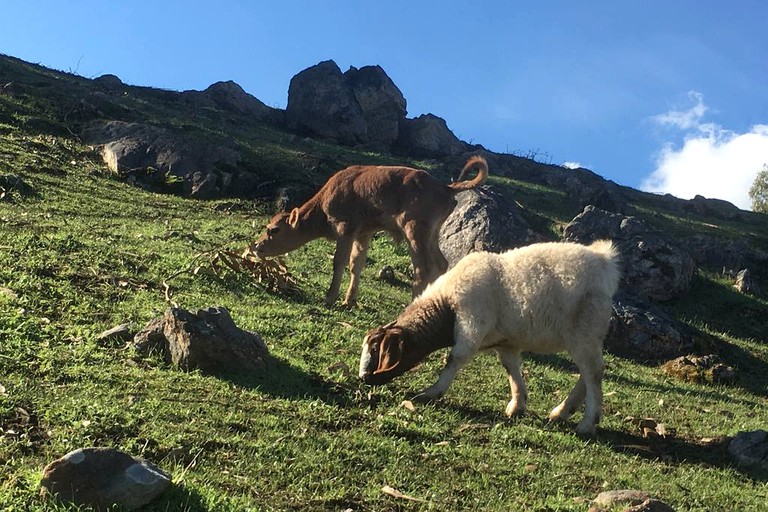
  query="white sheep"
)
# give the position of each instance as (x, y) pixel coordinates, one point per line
(542, 298)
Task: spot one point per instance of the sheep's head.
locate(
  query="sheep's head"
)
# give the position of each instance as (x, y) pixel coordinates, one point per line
(280, 236)
(386, 355)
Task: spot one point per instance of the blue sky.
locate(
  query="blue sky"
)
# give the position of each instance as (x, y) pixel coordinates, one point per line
(667, 96)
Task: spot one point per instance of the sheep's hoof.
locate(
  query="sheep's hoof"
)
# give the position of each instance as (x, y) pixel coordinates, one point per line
(514, 409)
(559, 413)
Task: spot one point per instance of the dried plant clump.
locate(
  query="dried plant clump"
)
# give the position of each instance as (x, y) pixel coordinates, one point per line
(272, 274)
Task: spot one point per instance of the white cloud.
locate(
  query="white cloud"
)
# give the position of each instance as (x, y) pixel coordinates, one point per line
(686, 119)
(712, 162)
(572, 165)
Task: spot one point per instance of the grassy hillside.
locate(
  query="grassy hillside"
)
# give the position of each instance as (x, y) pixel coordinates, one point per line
(81, 251)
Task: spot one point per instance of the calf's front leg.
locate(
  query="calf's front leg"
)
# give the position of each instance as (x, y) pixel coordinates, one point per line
(356, 266)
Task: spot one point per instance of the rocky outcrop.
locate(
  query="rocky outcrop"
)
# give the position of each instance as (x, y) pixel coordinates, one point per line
(483, 220)
(653, 266)
(360, 107)
(206, 339)
(428, 136)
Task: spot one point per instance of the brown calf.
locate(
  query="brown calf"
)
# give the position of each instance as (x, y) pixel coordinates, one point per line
(361, 200)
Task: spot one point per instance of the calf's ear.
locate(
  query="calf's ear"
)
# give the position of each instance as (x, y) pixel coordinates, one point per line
(293, 218)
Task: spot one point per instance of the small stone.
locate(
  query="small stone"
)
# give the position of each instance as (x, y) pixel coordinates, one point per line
(387, 274)
(102, 478)
(750, 449)
(119, 332)
(621, 497)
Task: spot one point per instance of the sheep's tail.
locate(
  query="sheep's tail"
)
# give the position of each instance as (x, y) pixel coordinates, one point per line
(605, 247)
(482, 174)
(612, 270)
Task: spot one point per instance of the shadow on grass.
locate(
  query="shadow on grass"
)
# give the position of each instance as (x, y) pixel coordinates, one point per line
(281, 380)
(178, 497)
(677, 451)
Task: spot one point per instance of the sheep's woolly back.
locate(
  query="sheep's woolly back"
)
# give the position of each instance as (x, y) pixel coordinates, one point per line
(542, 295)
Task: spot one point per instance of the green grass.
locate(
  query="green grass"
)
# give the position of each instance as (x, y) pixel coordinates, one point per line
(87, 252)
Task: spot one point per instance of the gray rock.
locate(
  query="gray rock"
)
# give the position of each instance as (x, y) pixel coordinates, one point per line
(643, 332)
(483, 220)
(109, 82)
(133, 146)
(206, 339)
(102, 478)
(712, 208)
(231, 97)
(750, 449)
(745, 283)
(621, 497)
(653, 266)
(428, 136)
(119, 332)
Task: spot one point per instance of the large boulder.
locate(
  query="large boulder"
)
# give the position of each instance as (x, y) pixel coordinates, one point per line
(653, 266)
(483, 220)
(102, 478)
(206, 339)
(428, 136)
(321, 103)
(381, 102)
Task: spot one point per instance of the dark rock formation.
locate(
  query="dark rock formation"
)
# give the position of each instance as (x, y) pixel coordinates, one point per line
(102, 478)
(381, 102)
(321, 103)
(653, 266)
(206, 339)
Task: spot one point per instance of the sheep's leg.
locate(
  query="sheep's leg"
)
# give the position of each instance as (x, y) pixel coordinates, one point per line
(511, 360)
(588, 389)
(356, 266)
(340, 258)
(458, 358)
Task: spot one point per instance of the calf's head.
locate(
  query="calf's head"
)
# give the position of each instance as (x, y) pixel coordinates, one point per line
(280, 237)
(386, 354)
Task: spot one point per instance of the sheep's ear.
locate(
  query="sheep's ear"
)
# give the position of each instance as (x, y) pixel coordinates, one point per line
(390, 353)
(293, 218)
